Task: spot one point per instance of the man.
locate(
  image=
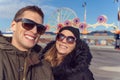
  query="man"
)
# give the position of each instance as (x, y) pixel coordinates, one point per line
(19, 58)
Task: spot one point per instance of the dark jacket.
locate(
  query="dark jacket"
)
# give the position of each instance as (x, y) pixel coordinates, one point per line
(13, 61)
(75, 66)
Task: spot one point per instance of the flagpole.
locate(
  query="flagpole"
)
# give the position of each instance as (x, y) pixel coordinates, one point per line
(84, 5)
(117, 34)
(118, 20)
(118, 13)
(85, 16)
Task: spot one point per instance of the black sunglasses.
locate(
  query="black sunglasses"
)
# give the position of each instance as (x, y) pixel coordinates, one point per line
(29, 24)
(69, 39)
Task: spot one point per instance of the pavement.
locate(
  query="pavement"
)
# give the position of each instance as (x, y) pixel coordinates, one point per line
(104, 48)
(111, 68)
(105, 64)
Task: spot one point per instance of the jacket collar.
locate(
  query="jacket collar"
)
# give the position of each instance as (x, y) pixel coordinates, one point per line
(31, 55)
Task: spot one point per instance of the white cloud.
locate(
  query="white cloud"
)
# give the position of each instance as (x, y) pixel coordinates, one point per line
(5, 1)
(8, 8)
(48, 9)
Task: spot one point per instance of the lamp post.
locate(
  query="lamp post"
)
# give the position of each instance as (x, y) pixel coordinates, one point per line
(117, 35)
(84, 31)
(85, 11)
(84, 6)
(118, 13)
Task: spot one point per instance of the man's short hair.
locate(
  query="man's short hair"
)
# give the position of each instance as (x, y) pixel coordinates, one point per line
(29, 8)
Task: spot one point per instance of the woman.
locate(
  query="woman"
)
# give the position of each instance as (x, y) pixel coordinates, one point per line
(69, 56)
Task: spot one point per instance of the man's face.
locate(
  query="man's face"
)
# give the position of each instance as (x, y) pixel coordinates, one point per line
(25, 39)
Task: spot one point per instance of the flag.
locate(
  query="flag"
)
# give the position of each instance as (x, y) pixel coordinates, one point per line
(116, 1)
(84, 4)
(119, 15)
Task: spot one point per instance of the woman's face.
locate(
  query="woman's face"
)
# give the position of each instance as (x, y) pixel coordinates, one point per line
(65, 42)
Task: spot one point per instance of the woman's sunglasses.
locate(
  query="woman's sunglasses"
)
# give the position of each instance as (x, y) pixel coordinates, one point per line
(69, 39)
(29, 24)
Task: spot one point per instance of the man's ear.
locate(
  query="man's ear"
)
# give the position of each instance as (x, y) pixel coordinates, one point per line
(13, 26)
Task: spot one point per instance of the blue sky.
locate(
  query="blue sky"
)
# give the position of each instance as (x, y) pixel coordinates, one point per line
(94, 8)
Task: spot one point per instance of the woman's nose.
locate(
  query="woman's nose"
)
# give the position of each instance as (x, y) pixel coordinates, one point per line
(64, 40)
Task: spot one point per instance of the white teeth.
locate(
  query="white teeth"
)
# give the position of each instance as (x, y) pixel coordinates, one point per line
(63, 47)
(29, 37)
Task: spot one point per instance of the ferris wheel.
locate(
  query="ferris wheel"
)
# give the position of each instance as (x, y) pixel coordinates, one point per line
(60, 16)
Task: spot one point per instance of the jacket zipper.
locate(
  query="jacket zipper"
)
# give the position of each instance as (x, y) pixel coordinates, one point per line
(25, 68)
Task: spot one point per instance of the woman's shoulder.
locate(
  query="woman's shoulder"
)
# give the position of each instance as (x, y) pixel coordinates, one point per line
(48, 46)
(82, 44)
(85, 75)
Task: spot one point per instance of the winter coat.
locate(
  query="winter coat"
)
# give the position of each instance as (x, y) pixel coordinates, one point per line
(75, 65)
(13, 62)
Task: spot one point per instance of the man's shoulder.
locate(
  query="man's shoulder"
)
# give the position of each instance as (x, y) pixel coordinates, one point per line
(45, 63)
(1, 50)
(45, 70)
(2, 54)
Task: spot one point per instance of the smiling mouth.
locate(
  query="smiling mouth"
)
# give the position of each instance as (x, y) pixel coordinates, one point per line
(62, 46)
(30, 37)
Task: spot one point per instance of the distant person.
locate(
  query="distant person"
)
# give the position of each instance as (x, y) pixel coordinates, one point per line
(19, 58)
(69, 56)
(0, 33)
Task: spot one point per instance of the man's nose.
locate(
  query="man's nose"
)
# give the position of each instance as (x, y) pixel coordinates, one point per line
(34, 30)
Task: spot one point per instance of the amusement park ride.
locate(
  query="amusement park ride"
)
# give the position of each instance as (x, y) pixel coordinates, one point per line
(67, 17)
